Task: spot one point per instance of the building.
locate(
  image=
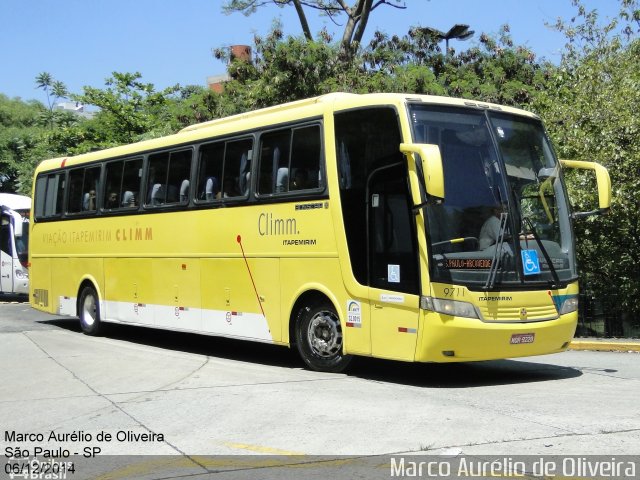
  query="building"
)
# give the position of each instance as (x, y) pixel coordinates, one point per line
(239, 52)
(74, 107)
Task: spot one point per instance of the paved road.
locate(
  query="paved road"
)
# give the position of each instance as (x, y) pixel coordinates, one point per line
(197, 395)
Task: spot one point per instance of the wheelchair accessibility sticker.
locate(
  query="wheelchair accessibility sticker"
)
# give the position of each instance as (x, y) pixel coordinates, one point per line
(530, 262)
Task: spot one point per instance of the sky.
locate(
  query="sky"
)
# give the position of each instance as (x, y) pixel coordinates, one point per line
(81, 42)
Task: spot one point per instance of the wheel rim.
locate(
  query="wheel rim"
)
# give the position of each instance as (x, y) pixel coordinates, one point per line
(89, 310)
(324, 334)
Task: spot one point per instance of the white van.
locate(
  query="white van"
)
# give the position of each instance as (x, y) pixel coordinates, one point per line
(14, 243)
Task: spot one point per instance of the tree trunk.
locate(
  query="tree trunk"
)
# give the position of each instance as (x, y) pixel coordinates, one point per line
(303, 20)
(362, 22)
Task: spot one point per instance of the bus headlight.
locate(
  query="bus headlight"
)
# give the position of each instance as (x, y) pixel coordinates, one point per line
(21, 274)
(448, 307)
(569, 305)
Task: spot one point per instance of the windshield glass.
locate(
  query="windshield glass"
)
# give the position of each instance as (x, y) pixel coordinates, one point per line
(505, 212)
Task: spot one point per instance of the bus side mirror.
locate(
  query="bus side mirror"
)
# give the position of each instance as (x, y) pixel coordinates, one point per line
(13, 219)
(604, 186)
(17, 228)
(431, 166)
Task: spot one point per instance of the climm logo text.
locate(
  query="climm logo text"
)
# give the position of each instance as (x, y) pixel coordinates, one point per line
(270, 225)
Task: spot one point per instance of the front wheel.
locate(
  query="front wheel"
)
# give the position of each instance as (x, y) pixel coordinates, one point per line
(89, 311)
(319, 339)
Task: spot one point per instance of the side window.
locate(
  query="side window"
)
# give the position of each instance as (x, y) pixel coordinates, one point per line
(168, 180)
(290, 160)
(178, 178)
(224, 170)
(83, 185)
(40, 196)
(273, 175)
(112, 181)
(305, 170)
(236, 179)
(157, 179)
(55, 195)
(210, 171)
(122, 180)
(131, 178)
(49, 195)
(74, 203)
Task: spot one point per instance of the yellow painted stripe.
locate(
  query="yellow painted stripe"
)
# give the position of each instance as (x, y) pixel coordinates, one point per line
(262, 449)
(144, 467)
(605, 346)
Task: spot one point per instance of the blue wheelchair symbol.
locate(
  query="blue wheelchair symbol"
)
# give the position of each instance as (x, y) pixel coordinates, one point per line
(530, 262)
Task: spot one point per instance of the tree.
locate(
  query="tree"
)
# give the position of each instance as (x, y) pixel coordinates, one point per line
(195, 105)
(54, 90)
(291, 68)
(495, 71)
(129, 109)
(357, 16)
(20, 134)
(282, 70)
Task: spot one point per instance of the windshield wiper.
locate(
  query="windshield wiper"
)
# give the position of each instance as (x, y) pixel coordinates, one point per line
(552, 269)
(497, 257)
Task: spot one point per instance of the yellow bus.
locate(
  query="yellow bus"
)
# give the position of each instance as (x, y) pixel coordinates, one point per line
(405, 227)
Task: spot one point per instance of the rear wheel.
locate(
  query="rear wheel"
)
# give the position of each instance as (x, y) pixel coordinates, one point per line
(89, 311)
(319, 338)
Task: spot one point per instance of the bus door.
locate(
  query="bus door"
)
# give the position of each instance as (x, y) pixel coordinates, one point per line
(6, 256)
(393, 264)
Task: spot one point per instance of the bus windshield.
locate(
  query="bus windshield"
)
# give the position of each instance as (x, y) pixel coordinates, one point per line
(22, 243)
(505, 216)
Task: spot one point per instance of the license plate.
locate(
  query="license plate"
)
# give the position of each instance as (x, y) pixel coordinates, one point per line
(519, 338)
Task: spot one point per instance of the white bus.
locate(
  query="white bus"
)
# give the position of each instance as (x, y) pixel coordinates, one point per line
(14, 243)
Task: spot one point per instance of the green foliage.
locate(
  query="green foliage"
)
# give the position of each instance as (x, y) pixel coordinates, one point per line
(291, 68)
(54, 90)
(196, 105)
(20, 145)
(283, 70)
(129, 109)
(591, 105)
(494, 71)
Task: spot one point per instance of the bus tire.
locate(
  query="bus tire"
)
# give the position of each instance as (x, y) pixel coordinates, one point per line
(319, 338)
(89, 311)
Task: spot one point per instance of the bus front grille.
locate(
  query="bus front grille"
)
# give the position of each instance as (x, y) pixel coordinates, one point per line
(518, 314)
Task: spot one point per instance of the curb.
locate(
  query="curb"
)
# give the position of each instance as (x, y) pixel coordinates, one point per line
(604, 346)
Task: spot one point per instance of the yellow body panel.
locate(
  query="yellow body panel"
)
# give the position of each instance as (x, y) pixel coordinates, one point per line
(394, 324)
(142, 262)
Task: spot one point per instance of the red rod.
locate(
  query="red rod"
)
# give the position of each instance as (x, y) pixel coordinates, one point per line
(239, 240)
